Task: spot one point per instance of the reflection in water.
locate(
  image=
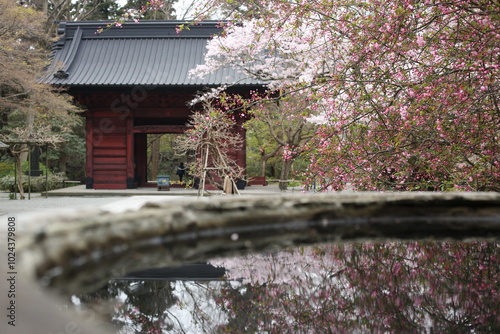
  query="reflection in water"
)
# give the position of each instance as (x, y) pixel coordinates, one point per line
(417, 287)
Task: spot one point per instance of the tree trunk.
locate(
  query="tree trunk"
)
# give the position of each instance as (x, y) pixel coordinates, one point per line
(264, 157)
(285, 173)
(45, 7)
(63, 159)
(30, 121)
(23, 156)
(263, 162)
(19, 173)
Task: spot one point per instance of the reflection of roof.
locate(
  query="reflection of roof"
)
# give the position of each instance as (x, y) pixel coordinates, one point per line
(188, 272)
(145, 53)
(3, 146)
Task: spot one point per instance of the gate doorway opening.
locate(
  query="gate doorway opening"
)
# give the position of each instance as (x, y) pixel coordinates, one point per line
(155, 155)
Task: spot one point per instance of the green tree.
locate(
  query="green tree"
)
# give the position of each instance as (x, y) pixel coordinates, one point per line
(24, 104)
(286, 120)
(69, 158)
(68, 10)
(104, 10)
(260, 147)
(153, 10)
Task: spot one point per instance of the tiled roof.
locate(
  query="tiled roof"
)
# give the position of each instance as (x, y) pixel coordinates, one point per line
(145, 53)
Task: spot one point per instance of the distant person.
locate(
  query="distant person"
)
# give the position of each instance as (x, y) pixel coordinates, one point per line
(181, 171)
(228, 187)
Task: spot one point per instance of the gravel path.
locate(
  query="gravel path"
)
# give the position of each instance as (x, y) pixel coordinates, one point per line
(39, 203)
(28, 212)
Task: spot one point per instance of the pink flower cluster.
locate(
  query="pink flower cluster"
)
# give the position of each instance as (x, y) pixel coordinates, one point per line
(406, 91)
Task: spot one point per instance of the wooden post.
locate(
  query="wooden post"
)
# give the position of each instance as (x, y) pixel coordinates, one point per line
(141, 159)
(130, 152)
(15, 178)
(46, 170)
(89, 159)
(204, 174)
(29, 171)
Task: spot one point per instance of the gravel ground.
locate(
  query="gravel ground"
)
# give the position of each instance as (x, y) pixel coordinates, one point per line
(28, 212)
(39, 203)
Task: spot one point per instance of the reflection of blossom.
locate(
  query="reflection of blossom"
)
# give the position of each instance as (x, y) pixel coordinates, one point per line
(394, 287)
(388, 287)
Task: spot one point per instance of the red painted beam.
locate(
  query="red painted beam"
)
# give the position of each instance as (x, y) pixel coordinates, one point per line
(159, 129)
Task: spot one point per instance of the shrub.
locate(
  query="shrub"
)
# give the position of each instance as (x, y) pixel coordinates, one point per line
(6, 168)
(37, 183)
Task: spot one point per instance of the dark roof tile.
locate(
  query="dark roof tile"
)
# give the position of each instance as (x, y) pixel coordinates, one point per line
(147, 53)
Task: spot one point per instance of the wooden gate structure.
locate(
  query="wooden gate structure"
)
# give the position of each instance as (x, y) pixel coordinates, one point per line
(133, 81)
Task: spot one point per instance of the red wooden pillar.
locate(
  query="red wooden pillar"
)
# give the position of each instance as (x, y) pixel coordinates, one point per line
(141, 159)
(130, 153)
(89, 134)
